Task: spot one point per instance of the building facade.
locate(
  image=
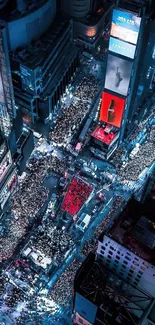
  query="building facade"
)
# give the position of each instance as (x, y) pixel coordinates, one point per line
(101, 297)
(39, 81)
(76, 8)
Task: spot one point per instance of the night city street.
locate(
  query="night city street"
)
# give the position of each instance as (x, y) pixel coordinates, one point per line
(77, 162)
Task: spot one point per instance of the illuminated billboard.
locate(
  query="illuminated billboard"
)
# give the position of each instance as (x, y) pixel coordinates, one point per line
(122, 48)
(5, 165)
(112, 108)
(125, 25)
(8, 188)
(118, 75)
(7, 107)
(1, 91)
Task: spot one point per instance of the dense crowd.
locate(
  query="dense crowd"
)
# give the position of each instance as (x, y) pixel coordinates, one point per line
(66, 125)
(92, 244)
(77, 194)
(87, 88)
(52, 242)
(116, 158)
(62, 291)
(135, 133)
(13, 302)
(143, 159)
(22, 275)
(28, 199)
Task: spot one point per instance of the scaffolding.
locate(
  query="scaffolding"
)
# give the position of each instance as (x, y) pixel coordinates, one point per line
(118, 301)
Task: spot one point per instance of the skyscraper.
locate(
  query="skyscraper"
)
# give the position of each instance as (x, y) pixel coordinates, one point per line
(75, 8)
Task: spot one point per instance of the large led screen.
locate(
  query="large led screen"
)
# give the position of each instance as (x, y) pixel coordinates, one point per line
(123, 48)
(1, 90)
(112, 108)
(125, 26)
(118, 75)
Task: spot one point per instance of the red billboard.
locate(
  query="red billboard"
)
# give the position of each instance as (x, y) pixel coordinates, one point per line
(112, 108)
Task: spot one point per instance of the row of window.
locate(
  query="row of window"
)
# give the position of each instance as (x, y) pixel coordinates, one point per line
(126, 257)
(123, 267)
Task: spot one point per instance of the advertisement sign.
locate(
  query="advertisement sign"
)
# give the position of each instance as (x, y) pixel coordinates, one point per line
(8, 189)
(122, 48)
(125, 26)
(5, 165)
(112, 108)
(100, 134)
(1, 91)
(118, 75)
(7, 107)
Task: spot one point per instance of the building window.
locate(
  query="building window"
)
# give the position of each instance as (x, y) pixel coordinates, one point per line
(116, 262)
(140, 272)
(125, 262)
(110, 252)
(118, 257)
(127, 258)
(142, 268)
(133, 267)
(135, 282)
(131, 271)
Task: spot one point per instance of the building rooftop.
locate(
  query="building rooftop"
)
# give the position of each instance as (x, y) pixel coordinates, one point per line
(102, 135)
(135, 230)
(10, 11)
(112, 295)
(36, 54)
(65, 61)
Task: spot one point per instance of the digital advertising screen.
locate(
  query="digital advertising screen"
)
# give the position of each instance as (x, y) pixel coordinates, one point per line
(112, 109)
(122, 48)
(118, 74)
(1, 90)
(125, 26)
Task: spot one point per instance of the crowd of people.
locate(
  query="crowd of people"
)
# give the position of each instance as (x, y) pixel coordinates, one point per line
(66, 125)
(143, 159)
(132, 137)
(13, 302)
(52, 241)
(28, 200)
(62, 291)
(91, 245)
(87, 88)
(19, 271)
(77, 194)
